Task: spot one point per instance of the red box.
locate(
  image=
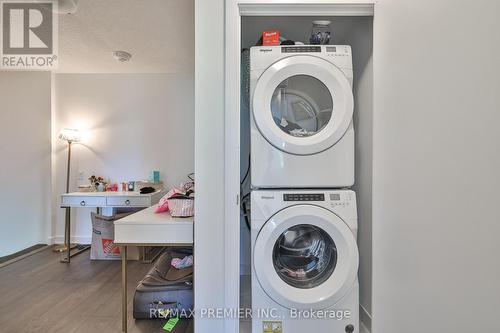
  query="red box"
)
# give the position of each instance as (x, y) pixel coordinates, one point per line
(271, 38)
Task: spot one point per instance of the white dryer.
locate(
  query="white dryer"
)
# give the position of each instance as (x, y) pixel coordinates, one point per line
(302, 106)
(304, 261)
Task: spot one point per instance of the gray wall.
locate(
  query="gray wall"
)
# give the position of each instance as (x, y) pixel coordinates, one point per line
(436, 162)
(25, 160)
(132, 124)
(209, 162)
(298, 28)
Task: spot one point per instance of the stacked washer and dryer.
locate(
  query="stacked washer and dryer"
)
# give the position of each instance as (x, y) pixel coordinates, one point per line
(303, 216)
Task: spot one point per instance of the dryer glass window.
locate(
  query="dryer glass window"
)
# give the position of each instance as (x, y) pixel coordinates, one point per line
(301, 105)
(304, 256)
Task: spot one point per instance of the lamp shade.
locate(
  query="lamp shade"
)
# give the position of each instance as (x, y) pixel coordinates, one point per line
(70, 135)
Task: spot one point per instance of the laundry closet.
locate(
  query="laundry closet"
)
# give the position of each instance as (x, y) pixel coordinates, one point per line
(427, 140)
(348, 178)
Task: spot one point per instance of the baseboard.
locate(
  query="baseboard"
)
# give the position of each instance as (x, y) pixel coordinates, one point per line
(10, 259)
(74, 239)
(365, 317)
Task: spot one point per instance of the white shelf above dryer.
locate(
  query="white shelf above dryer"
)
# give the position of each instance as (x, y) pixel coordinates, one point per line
(304, 9)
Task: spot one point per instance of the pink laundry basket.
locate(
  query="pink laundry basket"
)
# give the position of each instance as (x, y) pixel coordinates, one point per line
(181, 206)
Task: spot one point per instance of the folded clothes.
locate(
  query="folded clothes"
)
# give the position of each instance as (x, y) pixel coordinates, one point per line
(147, 189)
(185, 262)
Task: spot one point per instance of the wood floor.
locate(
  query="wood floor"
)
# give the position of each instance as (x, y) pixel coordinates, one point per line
(40, 294)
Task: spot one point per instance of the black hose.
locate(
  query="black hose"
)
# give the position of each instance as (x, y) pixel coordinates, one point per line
(243, 204)
(247, 172)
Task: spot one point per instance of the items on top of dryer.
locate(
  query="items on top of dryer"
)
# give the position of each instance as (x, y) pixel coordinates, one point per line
(320, 33)
(288, 42)
(282, 41)
(271, 38)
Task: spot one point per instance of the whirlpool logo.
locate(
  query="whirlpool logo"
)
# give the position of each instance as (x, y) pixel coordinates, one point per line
(29, 34)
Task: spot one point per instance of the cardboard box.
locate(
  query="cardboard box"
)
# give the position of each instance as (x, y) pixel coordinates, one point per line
(103, 235)
(271, 38)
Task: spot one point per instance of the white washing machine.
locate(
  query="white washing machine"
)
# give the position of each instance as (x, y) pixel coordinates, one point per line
(302, 106)
(304, 261)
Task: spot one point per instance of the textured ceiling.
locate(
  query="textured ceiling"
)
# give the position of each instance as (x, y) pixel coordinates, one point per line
(158, 33)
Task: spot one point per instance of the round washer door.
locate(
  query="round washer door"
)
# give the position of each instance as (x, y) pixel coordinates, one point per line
(306, 257)
(303, 105)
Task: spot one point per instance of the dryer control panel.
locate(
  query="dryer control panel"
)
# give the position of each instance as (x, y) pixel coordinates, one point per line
(262, 57)
(311, 196)
(335, 49)
(299, 48)
(303, 197)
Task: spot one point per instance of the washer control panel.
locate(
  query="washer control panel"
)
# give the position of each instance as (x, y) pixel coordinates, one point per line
(304, 197)
(334, 196)
(334, 199)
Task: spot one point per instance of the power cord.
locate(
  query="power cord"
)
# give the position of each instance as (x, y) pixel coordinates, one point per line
(247, 172)
(244, 200)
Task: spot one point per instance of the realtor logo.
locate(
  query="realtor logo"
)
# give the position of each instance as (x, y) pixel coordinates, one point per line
(29, 34)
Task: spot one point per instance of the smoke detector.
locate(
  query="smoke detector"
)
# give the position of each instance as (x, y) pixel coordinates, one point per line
(122, 56)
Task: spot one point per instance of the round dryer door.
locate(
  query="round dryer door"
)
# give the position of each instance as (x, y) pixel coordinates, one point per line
(306, 257)
(303, 105)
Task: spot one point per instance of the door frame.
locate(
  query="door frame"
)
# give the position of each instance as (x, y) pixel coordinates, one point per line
(235, 9)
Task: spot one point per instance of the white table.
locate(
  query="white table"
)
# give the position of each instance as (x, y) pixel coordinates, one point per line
(102, 200)
(110, 199)
(145, 228)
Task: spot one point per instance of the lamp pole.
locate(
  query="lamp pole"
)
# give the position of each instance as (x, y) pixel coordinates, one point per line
(69, 165)
(67, 223)
(70, 135)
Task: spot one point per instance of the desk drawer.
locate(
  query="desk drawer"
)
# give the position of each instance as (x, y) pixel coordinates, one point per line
(129, 201)
(83, 201)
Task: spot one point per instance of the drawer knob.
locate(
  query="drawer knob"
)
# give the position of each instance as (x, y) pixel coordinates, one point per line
(82, 203)
(127, 202)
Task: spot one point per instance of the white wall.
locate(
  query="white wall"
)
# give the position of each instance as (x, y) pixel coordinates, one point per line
(360, 37)
(209, 162)
(436, 167)
(25, 160)
(132, 123)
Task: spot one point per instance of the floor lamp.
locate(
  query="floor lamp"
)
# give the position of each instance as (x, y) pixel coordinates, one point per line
(71, 136)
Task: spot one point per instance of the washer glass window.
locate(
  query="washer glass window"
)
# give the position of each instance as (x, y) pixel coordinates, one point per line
(304, 256)
(301, 105)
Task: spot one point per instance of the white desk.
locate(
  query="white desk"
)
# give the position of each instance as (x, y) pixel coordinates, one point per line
(110, 199)
(145, 228)
(100, 200)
